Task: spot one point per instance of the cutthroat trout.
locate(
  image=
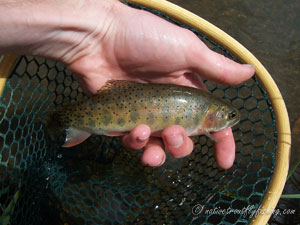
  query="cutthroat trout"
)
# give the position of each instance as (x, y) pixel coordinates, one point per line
(119, 106)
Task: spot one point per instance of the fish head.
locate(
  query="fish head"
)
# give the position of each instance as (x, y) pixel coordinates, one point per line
(221, 116)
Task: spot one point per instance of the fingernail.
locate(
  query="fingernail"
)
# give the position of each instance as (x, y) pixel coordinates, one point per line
(248, 65)
(141, 139)
(161, 162)
(174, 141)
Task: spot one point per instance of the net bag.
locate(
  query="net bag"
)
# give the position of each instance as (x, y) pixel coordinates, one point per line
(101, 182)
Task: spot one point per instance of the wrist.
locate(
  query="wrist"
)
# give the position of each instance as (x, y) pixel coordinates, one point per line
(56, 29)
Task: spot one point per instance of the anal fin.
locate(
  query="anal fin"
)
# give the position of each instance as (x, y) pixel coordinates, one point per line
(75, 136)
(115, 134)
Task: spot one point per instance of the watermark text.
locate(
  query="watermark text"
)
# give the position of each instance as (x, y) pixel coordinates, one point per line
(250, 210)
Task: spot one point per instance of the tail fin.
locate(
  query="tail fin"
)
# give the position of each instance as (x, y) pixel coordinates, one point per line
(51, 124)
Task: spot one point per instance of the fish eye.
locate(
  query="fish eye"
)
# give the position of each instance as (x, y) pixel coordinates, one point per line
(232, 115)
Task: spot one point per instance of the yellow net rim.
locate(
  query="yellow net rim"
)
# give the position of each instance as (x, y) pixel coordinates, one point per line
(278, 179)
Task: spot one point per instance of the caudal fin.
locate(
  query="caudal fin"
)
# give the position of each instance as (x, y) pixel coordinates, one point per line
(51, 124)
(75, 136)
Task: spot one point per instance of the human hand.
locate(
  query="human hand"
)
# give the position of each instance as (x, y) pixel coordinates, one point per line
(142, 47)
(106, 40)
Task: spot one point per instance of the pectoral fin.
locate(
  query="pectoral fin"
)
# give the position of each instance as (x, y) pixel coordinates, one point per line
(75, 136)
(210, 136)
(200, 131)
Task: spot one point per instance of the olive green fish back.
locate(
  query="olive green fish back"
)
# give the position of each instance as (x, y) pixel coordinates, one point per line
(100, 182)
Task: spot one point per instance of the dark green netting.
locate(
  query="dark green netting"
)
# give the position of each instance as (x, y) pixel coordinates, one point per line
(100, 182)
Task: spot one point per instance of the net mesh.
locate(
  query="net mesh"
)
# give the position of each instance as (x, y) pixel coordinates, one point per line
(101, 182)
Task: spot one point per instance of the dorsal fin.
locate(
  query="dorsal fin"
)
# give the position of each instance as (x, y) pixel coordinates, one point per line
(111, 85)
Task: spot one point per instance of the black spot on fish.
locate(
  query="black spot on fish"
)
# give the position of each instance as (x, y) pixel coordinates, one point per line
(166, 112)
(141, 103)
(188, 113)
(134, 114)
(196, 119)
(93, 106)
(120, 106)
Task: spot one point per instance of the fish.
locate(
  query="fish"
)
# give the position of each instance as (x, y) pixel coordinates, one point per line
(120, 105)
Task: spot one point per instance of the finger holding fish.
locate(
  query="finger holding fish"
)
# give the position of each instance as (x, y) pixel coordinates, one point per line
(180, 145)
(176, 141)
(138, 137)
(174, 137)
(154, 154)
(225, 148)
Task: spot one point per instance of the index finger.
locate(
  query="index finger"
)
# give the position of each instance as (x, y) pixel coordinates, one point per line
(225, 148)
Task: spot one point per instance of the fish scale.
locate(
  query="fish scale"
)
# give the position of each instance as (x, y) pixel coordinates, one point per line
(119, 106)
